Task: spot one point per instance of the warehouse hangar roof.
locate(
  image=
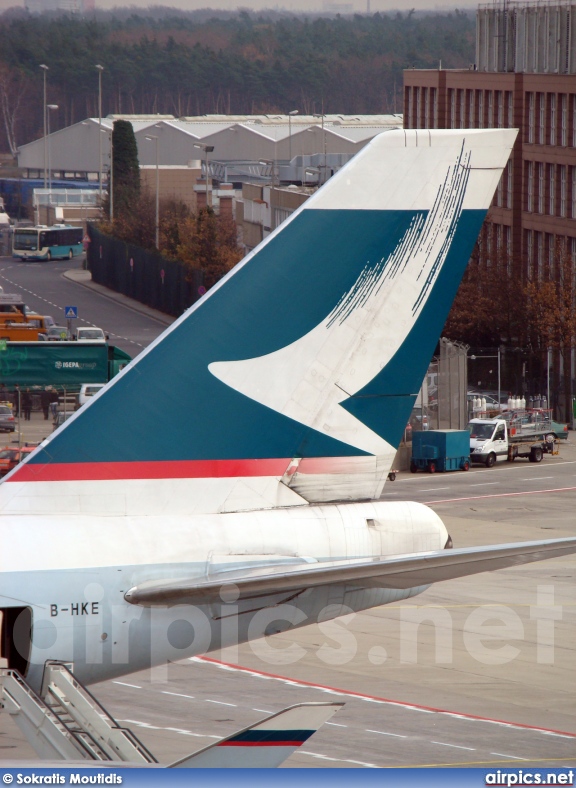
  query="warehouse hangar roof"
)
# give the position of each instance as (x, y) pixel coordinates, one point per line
(234, 137)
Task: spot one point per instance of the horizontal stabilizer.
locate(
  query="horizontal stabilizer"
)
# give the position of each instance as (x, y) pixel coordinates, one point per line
(399, 572)
(266, 744)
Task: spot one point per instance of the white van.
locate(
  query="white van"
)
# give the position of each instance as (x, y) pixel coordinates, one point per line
(90, 334)
(87, 390)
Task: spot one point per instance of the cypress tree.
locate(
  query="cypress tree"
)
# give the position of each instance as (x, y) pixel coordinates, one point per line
(126, 167)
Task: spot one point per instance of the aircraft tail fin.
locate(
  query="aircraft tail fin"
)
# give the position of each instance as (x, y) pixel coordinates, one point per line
(266, 744)
(292, 380)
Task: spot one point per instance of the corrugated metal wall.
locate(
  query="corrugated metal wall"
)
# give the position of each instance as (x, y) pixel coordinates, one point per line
(528, 38)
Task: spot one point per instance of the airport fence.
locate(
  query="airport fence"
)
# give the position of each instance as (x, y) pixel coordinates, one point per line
(162, 284)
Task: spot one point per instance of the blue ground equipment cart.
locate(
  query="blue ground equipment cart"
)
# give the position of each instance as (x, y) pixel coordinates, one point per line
(440, 450)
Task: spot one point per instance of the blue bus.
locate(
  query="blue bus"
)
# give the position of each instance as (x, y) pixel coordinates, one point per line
(47, 243)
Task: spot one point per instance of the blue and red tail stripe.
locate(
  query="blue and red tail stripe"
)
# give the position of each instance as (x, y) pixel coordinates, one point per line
(263, 738)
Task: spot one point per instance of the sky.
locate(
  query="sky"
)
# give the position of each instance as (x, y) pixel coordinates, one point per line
(289, 5)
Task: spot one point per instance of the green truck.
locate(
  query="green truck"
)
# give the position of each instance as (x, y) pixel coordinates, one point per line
(63, 365)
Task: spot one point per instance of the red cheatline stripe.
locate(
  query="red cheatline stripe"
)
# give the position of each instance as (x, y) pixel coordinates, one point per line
(261, 744)
(177, 469)
(169, 469)
(364, 696)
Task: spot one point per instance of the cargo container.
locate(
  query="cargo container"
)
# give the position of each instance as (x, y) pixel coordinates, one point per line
(440, 450)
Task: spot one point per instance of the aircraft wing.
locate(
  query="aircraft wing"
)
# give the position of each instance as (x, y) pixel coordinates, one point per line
(266, 744)
(407, 571)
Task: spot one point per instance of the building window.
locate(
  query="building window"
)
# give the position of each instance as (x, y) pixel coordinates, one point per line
(564, 119)
(500, 107)
(426, 108)
(490, 123)
(510, 103)
(552, 189)
(530, 252)
(573, 210)
(434, 105)
(553, 119)
(574, 121)
(531, 117)
(480, 109)
(530, 179)
(498, 195)
(462, 109)
(540, 187)
(550, 254)
(539, 243)
(563, 189)
(418, 107)
(542, 118)
(471, 109)
(452, 101)
(573, 249)
(508, 248)
(509, 184)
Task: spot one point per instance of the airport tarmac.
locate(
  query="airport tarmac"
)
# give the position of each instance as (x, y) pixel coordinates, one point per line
(488, 678)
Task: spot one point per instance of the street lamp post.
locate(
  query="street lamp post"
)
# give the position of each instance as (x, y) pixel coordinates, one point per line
(154, 138)
(321, 115)
(45, 69)
(100, 70)
(207, 149)
(290, 114)
(50, 108)
(498, 357)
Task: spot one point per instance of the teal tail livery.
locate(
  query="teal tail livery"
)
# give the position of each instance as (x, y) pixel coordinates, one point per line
(292, 380)
(224, 486)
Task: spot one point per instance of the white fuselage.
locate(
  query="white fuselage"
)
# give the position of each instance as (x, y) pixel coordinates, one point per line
(72, 573)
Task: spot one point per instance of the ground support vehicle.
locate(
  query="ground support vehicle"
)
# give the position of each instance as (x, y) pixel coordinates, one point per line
(505, 439)
(12, 455)
(440, 450)
(17, 323)
(63, 365)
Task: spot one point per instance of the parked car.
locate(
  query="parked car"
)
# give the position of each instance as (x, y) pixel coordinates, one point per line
(90, 334)
(7, 421)
(87, 391)
(56, 334)
(11, 456)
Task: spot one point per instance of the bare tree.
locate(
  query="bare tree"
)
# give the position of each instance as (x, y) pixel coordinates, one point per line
(13, 89)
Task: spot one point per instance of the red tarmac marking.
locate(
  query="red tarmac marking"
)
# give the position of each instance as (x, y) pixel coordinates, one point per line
(403, 704)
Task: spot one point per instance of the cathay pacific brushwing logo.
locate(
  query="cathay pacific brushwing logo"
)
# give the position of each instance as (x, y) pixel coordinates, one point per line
(309, 378)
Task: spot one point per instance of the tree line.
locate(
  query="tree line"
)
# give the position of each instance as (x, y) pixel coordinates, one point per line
(193, 63)
(530, 318)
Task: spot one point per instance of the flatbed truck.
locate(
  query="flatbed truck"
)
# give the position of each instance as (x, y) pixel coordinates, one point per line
(499, 439)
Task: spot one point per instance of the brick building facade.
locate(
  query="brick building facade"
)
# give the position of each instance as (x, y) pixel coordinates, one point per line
(524, 77)
(534, 208)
